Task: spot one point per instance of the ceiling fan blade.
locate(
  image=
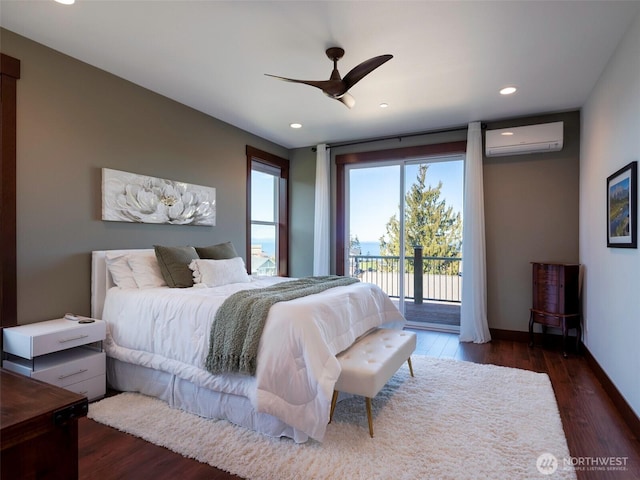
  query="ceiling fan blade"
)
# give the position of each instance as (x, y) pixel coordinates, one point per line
(348, 100)
(324, 85)
(358, 72)
(336, 87)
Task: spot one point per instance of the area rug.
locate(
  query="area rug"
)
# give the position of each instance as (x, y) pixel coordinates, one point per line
(453, 420)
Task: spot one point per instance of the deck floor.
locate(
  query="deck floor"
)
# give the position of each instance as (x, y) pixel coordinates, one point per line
(441, 313)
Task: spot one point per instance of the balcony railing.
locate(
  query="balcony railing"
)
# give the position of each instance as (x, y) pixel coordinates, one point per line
(425, 278)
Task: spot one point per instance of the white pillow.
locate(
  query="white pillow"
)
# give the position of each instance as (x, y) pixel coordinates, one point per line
(120, 270)
(214, 273)
(146, 270)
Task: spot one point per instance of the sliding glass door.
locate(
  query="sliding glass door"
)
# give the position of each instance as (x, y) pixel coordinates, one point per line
(404, 233)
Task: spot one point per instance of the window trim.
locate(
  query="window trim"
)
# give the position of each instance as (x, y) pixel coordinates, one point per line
(373, 157)
(282, 164)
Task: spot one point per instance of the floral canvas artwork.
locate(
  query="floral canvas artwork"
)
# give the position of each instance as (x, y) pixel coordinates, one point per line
(129, 197)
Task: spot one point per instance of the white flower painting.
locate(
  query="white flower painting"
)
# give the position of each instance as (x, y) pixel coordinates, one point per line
(129, 197)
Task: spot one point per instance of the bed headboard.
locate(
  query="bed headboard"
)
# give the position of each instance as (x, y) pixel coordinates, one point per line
(101, 280)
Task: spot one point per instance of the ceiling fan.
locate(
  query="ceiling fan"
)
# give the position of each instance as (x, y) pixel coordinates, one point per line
(337, 87)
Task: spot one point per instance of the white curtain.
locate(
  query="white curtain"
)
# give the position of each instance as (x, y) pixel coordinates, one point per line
(321, 223)
(473, 314)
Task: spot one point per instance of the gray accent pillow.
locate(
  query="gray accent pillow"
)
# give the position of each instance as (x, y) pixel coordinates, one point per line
(174, 265)
(221, 251)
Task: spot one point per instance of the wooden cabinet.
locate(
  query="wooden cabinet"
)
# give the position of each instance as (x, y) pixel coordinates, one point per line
(39, 432)
(61, 352)
(556, 299)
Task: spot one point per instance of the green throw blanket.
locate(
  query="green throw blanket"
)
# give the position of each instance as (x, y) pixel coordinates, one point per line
(238, 324)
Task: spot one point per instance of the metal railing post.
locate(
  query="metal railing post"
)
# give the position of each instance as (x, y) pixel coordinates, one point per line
(417, 275)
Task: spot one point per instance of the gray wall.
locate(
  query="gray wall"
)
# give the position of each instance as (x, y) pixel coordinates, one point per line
(302, 176)
(73, 120)
(531, 214)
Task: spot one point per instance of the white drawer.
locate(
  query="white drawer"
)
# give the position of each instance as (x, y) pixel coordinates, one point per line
(92, 388)
(41, 338)
(69, 367)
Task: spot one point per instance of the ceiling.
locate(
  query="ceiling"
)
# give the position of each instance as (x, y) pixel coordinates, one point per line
(450, 58)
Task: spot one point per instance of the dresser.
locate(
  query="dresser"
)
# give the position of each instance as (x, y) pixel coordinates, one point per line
(556, 300)
(62, 352)
(39, 429)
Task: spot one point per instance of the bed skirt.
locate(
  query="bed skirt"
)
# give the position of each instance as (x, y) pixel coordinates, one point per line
(184, 395)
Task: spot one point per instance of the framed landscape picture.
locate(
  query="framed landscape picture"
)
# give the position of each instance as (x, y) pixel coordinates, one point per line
(622, 213)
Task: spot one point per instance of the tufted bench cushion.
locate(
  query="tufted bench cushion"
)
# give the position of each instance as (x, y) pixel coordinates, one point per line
(370, 362)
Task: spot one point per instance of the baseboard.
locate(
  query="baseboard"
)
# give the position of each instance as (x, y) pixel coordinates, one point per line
(628, 415)
(625, 410)
(510, 335)
(550, 338)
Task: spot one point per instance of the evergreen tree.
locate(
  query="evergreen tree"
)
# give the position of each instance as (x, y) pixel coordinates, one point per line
(429, 223)
(354, 245)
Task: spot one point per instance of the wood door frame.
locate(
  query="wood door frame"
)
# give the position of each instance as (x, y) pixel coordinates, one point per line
(9, 75)
(403, 153)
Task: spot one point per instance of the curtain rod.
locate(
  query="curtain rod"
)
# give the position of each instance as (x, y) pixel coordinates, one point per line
(400, 137)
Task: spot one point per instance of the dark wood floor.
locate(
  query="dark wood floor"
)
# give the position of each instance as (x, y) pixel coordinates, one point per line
(593, 427)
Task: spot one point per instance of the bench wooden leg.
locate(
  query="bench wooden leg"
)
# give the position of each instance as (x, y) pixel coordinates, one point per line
(368, 401)
(334, 399)
(410, 366)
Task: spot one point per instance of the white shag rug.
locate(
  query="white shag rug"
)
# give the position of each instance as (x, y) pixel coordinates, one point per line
(453, 420)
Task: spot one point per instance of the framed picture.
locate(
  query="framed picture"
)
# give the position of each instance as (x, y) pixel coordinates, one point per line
(622, 216)
(129, 197)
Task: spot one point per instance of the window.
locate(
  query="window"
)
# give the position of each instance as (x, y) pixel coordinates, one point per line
(267, 213)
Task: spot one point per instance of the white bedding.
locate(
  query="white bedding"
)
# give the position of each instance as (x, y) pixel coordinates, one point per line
(168, 329)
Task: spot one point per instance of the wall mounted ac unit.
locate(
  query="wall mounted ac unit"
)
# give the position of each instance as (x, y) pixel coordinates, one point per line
(545, 137)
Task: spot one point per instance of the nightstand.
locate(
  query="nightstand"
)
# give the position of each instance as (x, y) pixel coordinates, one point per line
(61, 352)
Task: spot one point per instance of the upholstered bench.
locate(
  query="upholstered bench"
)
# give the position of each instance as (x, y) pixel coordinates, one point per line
(370, 362)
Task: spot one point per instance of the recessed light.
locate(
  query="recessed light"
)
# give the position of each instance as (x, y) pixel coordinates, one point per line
(507, 134)
(66, 2)
(508, 90)
(296, 125)
(384, 105)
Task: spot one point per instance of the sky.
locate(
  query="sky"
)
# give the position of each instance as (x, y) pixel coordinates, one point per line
(374, 194)
(262, 208)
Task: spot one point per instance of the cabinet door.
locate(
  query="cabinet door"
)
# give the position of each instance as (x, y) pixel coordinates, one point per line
(569, 289)
(545, 287)
(556, 288)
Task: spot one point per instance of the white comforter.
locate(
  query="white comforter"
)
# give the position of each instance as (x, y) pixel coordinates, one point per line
(168, 329)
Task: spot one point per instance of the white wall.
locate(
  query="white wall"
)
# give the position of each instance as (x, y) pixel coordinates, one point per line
(610, 140)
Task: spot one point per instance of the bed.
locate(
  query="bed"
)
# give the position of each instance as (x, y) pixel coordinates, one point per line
(158, 338)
